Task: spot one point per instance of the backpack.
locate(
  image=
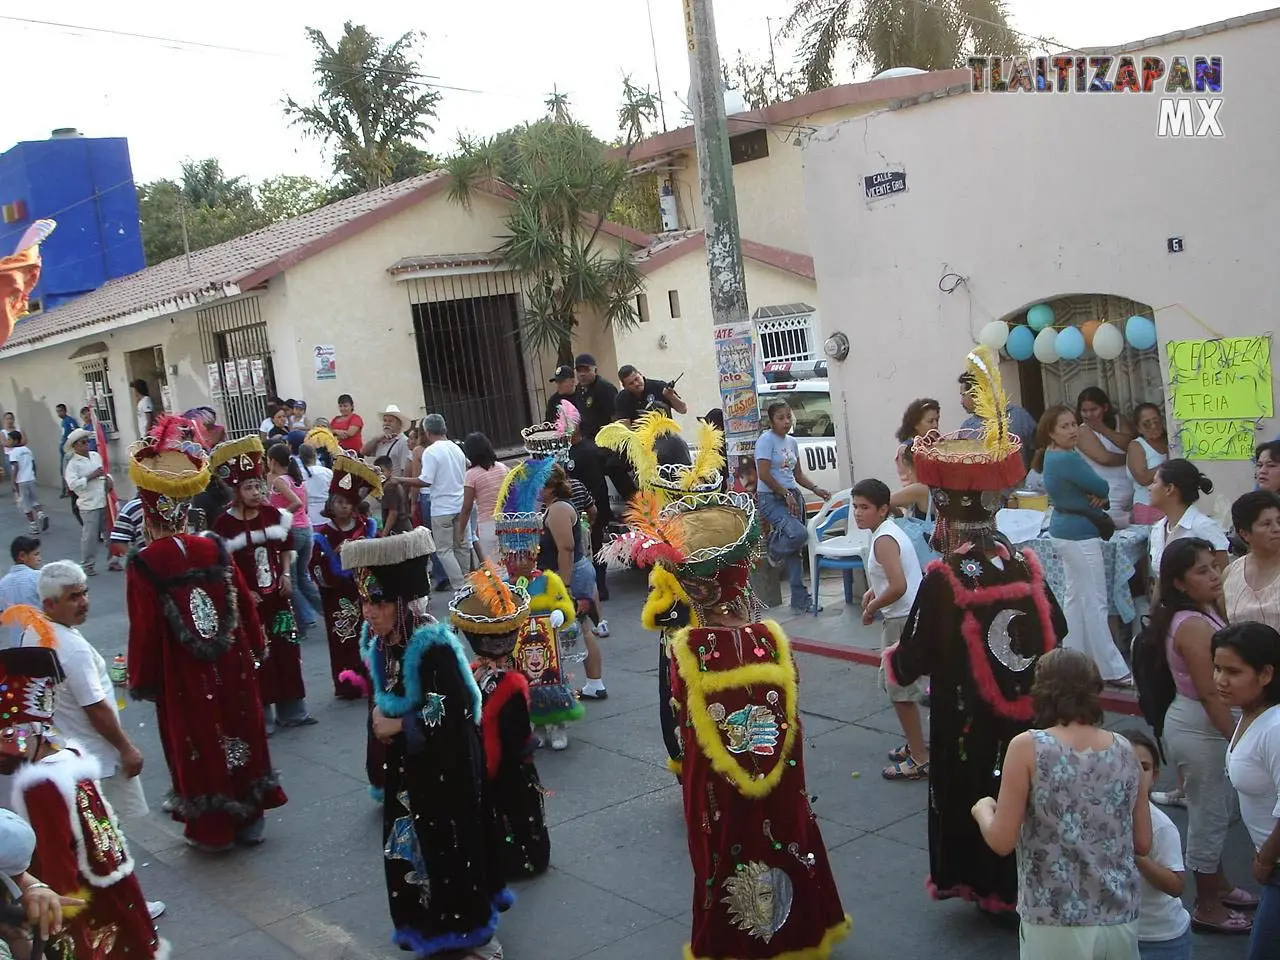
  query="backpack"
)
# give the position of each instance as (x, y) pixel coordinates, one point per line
(1152, 678)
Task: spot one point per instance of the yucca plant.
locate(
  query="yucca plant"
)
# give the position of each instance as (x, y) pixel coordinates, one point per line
(563, 187)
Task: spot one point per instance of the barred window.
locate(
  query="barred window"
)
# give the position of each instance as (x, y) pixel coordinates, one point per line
(97, 392)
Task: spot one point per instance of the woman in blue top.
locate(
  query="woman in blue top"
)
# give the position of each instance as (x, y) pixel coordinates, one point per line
(782, 503)
(1079, 499)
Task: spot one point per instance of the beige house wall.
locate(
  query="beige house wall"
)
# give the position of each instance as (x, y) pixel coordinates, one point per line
(1051, 195)
(666, 347)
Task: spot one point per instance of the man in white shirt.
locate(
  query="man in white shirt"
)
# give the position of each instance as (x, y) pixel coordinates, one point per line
(84, 709)
(392, 441)
(443, 467)
(90, 483)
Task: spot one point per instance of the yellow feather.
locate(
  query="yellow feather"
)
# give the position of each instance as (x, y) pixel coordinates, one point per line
(512, 476)
(990, 402)
(710, 456)
(649, 428)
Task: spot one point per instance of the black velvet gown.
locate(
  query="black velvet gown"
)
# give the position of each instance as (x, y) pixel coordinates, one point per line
(976, 631)
(441, 853)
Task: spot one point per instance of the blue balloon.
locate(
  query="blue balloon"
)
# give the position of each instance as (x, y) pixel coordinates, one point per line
(1140, 332)
(1021, 343)
(1040, 316)
(1070, 343)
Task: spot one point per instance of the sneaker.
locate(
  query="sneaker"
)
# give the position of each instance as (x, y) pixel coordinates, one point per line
(602, 628)
(1168, 798)
(559, 736)
(44, 522)
(156, 908)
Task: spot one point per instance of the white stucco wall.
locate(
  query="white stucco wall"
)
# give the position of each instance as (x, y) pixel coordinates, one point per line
(689, 347)
(1034, 196)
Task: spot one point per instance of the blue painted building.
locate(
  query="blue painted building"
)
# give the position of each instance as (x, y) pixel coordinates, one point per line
(86, 185)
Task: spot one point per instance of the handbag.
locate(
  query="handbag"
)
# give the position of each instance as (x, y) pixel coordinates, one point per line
(920, 532)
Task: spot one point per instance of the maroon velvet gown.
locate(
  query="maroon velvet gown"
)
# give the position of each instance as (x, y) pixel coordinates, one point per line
(341, 599)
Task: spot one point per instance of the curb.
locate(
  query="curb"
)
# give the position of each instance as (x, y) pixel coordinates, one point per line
(1112, 700)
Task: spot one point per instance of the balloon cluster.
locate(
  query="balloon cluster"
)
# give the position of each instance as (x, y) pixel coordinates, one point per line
(1039, 339)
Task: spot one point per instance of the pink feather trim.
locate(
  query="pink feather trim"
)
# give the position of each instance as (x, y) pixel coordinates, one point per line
(357, 681)
(569, 416)
(962, 891)
(886, 661)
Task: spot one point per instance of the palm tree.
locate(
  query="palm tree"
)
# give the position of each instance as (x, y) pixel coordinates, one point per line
(562, 187)
(929, 34)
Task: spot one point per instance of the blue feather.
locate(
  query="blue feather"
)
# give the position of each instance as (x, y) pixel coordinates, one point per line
(532, 476)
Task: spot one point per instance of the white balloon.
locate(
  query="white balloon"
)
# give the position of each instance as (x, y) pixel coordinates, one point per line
(1046, 348)
(1108, 342)
(994, 334)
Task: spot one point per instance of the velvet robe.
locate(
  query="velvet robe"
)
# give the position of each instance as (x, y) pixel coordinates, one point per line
(341, 599)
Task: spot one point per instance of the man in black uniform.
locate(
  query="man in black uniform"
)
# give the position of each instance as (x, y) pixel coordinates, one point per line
(594, 397)
(565, 387)
(639, 395)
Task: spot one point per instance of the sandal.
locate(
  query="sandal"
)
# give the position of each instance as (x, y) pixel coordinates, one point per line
(1235, 923)
(900, 754)
(1239, 899)
(907, 769)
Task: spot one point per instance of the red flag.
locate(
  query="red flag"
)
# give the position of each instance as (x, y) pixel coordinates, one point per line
(100, 435)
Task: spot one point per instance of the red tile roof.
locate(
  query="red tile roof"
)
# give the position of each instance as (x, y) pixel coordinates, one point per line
(667, 247)
(228, 268)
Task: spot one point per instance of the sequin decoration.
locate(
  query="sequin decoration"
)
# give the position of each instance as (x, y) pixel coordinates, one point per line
(971, 569)
(402, 844)
(1001, 644)
(102, 940)
(346, 624)
(758, 898)
(432, 711)
(751, 729)
(345, 482)
(262, 566)
(236, 751)
(203, 614)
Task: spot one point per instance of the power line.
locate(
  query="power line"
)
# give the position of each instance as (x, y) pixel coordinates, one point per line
(78, 28)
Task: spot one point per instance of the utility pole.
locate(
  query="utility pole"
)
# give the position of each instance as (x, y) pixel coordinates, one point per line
(734, 338)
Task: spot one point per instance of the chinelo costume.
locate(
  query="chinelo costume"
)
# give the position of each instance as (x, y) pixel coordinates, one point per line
(441, 855)
(194, 646)
(325, 444)
(518, 525)
(80, 850)
(258, 547)
(763, 886)
(353, 480)
(981, 619)
(490, 614)
(665, 469)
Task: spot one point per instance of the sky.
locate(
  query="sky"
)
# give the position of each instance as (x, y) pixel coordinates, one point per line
(178, 101)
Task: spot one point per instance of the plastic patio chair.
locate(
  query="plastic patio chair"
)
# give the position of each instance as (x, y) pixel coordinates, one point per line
(844, 551)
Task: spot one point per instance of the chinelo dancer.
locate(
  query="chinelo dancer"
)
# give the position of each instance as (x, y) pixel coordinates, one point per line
(665, 469)
(441, 855)
(982, 617)
(352, 481)
(257, 537)
(518, 522)
(489, 614)
(194, 646)
(763, 886)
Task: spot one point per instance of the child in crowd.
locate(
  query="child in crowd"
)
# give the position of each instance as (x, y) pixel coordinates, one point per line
(298, 415)
(395, 503)
(894, 576)
(1164, 925)
(23, 462)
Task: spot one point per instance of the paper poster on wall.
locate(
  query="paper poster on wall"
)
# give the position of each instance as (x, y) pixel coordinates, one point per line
(245, 376)
(230, 379)
(88, 392)
(166, 397)
(215, 380)
(326, 361)
(1217, 439)
(1226, 379)
(735, 368)
(259, 374)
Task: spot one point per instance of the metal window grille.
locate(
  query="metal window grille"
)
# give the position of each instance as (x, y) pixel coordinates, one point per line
(785, 339)
(97, 392)
(234, 338)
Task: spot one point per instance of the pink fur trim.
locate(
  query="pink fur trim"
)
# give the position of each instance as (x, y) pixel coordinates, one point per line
(886, 661)
(357, 681)
(962, 891)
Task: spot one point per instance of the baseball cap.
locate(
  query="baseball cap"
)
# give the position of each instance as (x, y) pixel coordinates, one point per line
(564, 372)
(585, 360)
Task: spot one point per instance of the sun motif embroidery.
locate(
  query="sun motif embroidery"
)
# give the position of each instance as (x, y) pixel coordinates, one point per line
(759, 899)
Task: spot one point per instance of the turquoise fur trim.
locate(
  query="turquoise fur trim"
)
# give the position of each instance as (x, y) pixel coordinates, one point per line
(377, 794)
(424, 638)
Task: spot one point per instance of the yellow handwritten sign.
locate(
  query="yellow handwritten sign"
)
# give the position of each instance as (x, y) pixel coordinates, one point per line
(1221, 379)
(1217, 439)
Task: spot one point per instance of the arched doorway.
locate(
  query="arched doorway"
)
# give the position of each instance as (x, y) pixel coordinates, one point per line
(1132, 378)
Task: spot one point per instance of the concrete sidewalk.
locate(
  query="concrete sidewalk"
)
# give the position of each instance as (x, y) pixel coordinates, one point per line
(620, 884)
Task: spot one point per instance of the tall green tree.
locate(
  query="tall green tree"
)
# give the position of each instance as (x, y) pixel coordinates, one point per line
(286, 196)
(759, 83)
(929, 34)
(564, 188)
(371, 103)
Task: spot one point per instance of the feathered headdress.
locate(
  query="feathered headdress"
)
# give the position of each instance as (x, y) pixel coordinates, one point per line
(487, 605)
(651, 538)
(169, 467)
(19, 273)
(662, 460)
(518, 514)
(553, 439)
(235, 461)
(322, 438)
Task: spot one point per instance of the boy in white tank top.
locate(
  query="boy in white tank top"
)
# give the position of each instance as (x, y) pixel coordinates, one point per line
(894, 575)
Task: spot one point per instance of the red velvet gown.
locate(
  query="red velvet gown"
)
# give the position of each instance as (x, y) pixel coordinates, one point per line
(762, 882)
(257, 546)
(194, 638)
(81, 848)
(341, 598)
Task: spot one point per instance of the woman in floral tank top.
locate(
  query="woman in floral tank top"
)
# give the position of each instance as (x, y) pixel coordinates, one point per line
(1073, 805)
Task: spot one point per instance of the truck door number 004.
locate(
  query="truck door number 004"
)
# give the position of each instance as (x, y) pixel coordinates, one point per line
(820, 458)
